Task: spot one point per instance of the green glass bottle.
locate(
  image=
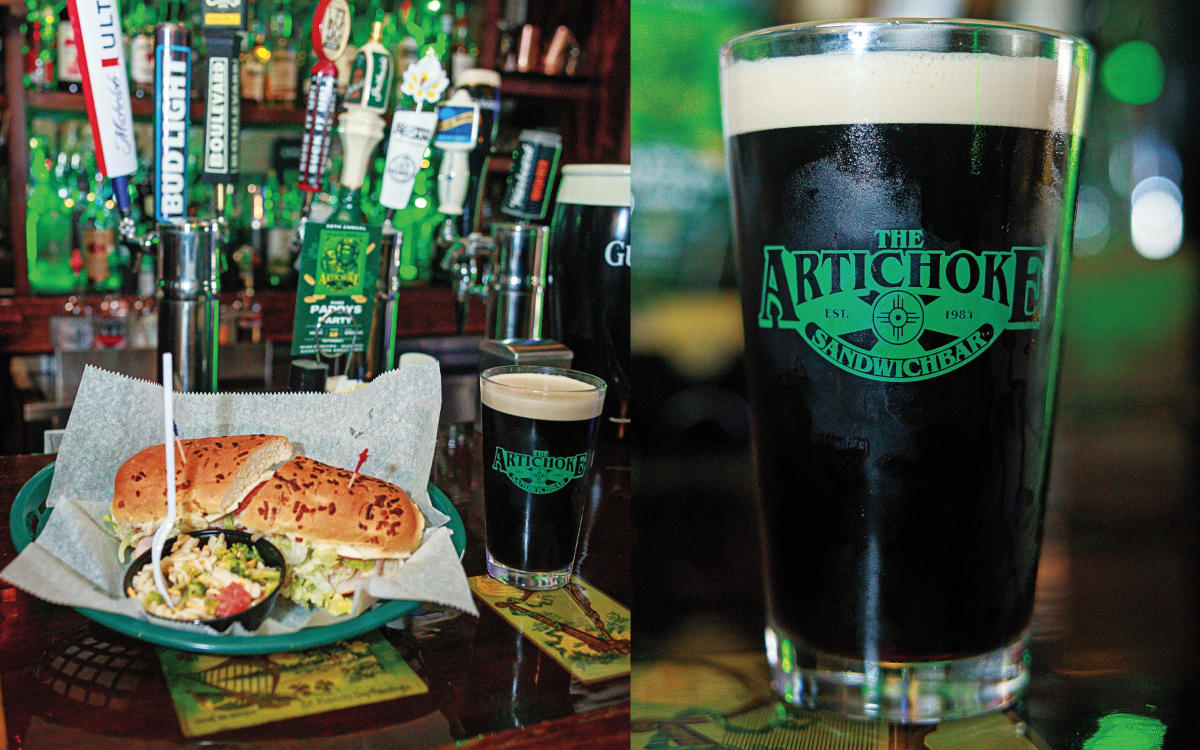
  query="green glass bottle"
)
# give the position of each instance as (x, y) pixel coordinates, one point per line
(47, 227)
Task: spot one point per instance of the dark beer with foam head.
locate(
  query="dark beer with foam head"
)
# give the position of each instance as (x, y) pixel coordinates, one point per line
(539, 433)
(902, 198)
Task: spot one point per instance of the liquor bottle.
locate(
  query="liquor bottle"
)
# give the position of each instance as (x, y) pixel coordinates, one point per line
(253, 63)
(283, 206)
(463, 54)
(70, 77)
(143, 324)
(39, 54)
(281, 74)
(406, 48)
(47, 226)
(97, 254)
(140, 32)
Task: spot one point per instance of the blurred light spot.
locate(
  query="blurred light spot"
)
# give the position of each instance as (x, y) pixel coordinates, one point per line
(1127, 732)
(1092, 220)
(1145, 154)
(420, 203)
(1133, 73)
(1156, 218)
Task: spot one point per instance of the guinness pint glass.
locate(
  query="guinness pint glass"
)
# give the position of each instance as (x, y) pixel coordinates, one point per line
(902, 196)
(589, 270)
(539, 431)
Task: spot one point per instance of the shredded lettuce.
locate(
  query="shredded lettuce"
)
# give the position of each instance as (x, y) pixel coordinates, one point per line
(313, 574)
(310, 583)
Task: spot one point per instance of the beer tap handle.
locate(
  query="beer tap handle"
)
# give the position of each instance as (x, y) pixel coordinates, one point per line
(361, 125)
(172, 101)
(101, 47)
(222, 115)
(483, 86)
(330, 35)
(457, 130)
(531, 177)
(320, 118)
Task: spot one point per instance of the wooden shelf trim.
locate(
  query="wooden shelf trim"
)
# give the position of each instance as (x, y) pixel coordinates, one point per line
(547, 87)
(252, 113)
(423, 311)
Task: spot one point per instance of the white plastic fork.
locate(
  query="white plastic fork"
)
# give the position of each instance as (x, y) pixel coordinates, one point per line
(164, 529)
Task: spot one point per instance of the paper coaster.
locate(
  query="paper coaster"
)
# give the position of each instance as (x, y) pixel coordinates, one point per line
(725, 700)
(214, 693)
(579, 626)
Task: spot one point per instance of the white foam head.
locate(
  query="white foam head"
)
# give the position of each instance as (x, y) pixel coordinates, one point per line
(957, 88)
(595, 185)
(539, 395)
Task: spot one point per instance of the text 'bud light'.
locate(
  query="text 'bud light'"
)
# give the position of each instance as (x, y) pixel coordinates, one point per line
(172, 86)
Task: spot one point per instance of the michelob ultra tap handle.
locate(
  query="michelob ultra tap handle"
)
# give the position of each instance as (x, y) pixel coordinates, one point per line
(172, 95)
(101, 47)
(457, 129)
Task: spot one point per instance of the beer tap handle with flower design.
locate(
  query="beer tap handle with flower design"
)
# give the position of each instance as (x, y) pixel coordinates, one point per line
(411, 131)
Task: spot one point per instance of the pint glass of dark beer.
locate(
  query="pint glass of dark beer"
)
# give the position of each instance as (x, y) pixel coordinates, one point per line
(903, 194)
(539, 432)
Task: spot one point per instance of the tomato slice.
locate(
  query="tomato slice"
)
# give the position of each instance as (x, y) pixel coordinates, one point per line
(249, 496)
(232, 599)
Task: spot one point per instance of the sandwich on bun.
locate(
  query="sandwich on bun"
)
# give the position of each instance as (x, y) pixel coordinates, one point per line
(217, 475)
(334, 533)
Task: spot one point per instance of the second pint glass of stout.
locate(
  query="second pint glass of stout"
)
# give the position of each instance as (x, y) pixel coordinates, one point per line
(539, 432)
(903, 196)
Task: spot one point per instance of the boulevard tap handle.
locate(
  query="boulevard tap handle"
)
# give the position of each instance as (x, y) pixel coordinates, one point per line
(222, 114)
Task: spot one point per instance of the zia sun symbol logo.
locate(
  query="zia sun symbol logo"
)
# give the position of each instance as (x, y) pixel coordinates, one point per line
(898, 316)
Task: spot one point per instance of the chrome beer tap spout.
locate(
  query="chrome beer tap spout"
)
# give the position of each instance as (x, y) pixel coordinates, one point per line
(468, 261)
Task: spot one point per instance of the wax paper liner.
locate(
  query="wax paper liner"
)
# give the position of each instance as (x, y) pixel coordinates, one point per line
(395, 417)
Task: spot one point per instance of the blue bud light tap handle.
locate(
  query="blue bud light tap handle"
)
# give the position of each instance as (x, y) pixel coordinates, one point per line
(172, 100)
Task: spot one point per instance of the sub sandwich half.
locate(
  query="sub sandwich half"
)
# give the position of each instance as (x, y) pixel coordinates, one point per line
(334, 533)
(209, 486)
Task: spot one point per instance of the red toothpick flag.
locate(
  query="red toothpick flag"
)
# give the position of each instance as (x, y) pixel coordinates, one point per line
(362, 459)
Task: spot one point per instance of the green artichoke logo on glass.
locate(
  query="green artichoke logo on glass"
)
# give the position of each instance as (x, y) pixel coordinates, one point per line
(900, 311)
(540, 473)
